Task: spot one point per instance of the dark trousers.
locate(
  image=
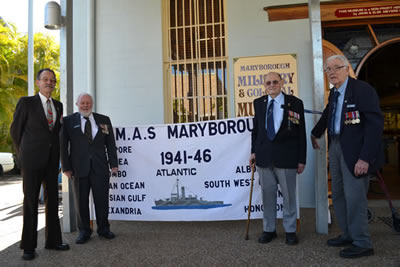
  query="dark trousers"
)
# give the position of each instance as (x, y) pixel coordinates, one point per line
(100, 188)
(32, 179)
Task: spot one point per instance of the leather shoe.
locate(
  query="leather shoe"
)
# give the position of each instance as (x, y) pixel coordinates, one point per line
(82, 239)
(356, 252)
(108, 235)
(291, 239)
(28, 255)
(338, 242)
(267, 237)
(62, 246)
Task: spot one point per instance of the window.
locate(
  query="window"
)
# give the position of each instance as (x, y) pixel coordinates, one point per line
(195, 61)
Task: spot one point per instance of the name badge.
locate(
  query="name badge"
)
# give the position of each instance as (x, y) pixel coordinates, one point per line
(76, 126)
(351, 105)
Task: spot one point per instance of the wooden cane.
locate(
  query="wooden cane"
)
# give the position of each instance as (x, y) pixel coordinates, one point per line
(251, 194)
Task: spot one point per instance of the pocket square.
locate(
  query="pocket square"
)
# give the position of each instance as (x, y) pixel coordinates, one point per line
(76, 126)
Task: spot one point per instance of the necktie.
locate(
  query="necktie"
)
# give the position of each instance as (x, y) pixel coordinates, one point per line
(270, 121)
(49, 114)
(333, 113)
(88, 129)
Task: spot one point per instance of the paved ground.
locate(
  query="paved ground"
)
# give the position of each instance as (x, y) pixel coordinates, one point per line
(191, 243)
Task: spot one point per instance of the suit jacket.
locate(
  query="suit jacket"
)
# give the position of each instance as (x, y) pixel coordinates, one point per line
(79, 155)
(34, 142)
(289, 147)
(362, 140)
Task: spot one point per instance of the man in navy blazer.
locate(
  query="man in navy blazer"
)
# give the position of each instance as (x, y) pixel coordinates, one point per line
(88, 152)
(35, 133)
(355, 126)
(278, 148)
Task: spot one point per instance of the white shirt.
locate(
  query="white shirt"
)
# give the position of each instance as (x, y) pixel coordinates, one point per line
(95, 128)
(279, 100)
(44, 104)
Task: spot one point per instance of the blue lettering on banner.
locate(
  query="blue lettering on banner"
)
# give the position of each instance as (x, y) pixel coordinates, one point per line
(176, 172)
(132, 185)
(120, 134)
(136, 198)
(211, 128)
(217, 184)
(124, 149)
(243, 169)
(124, 210)
(242, 182)
(122, 161)
(254, 208)
(116, 198)
(260, 208)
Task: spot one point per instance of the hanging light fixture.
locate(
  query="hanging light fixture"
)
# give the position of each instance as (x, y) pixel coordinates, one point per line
(52, 16)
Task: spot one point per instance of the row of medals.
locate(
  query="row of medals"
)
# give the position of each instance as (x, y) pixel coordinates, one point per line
(352, 117)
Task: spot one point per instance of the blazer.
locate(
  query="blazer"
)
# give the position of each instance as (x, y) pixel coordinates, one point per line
(34, 142)
(289, 147)
(361, 139)
(79, 155)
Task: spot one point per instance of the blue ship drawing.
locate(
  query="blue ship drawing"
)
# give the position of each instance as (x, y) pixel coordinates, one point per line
(181, 201)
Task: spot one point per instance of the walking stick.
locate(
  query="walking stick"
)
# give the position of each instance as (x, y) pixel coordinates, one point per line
(253, 167)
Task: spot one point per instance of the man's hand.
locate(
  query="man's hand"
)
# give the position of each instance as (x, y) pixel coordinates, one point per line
(314, 142)
(300, 168)
(114, 171)
(68, 174)
(252, 160)
(361, 168)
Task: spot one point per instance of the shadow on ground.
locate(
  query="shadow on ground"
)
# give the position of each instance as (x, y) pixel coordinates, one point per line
(210, 244)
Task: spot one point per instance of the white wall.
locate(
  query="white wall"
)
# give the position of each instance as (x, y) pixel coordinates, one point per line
(250, 34)
(129, 81)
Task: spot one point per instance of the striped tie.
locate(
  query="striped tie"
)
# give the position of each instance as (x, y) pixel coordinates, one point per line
(49, 115)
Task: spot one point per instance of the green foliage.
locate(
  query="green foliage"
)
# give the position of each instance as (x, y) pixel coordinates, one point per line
(14, 72)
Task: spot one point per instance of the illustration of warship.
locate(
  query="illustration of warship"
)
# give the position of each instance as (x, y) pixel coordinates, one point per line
(186, 202)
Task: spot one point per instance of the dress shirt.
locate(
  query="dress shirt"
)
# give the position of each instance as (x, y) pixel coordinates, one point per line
(44, 104)
(95, 128)
(278, 111)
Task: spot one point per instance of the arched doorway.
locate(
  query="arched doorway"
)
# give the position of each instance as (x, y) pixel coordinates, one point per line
(380, 67)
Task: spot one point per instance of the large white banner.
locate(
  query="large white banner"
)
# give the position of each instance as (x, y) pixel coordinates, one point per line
(185, 172)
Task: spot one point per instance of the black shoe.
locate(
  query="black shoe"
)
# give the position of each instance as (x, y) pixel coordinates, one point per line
(62, 246)
(28, 255)
(108, 235)
(291, 239)
(338, 242)
(356, 252)
(82, 239)
(267, 237)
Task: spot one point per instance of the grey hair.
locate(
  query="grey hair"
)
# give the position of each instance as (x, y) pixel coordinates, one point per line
(340, 57)
(83, 94)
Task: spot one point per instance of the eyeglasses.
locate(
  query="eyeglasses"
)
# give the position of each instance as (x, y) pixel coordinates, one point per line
(334, 68)
(274, 82)
(48, 80)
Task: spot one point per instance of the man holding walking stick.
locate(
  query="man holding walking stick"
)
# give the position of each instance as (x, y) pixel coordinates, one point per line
(278, 148)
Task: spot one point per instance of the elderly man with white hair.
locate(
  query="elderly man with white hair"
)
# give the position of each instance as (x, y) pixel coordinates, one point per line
(88, 153)
(354, 122)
